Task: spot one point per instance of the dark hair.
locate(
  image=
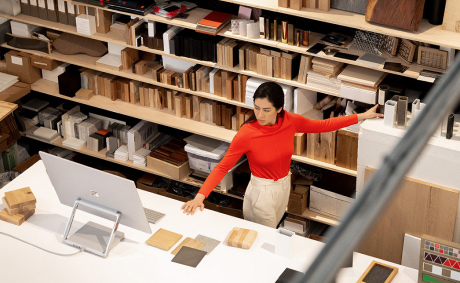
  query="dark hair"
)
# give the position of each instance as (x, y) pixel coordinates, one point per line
(274, 93)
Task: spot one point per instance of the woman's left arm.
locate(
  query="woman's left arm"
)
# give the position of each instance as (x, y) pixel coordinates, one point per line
(304, 125)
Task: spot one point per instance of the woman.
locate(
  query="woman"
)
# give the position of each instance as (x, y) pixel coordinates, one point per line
(267, 138)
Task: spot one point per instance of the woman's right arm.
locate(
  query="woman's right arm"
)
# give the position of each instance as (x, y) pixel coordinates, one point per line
(241, 144)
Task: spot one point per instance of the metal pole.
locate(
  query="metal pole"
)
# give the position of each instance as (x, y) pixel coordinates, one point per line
(343, 239)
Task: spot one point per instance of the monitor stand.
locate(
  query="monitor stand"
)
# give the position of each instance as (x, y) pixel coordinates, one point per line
(93, 237)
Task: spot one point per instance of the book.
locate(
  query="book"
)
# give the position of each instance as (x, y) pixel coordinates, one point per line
(213, 22)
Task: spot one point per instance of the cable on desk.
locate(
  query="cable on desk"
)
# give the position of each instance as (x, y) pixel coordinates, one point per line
(51, 252)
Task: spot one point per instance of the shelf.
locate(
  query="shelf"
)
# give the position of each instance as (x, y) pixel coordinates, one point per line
(426, 33)
(6, 108)
(167, 119)
(90, 63)
(318, 217)
(101, 155)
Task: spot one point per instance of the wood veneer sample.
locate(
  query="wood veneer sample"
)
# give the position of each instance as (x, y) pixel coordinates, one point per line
(18, 197)
(324, 5)
(401, 14)
(164, 239)
(347, 149)
(16, 219)
(189, 242)
(417, 208)
(241, 238)
(321, 146)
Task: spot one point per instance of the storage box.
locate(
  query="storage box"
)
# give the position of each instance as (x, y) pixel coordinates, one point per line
(176, 172)
(329, 203)
(43, 63)
(298, 199)
(18, 64)
(203, 160)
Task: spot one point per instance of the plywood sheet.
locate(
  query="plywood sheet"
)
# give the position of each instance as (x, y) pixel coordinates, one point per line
(418, 208)
(188, 242)
(164, 239)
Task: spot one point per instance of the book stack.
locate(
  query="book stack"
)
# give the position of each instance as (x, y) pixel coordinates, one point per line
(121, 153)
(253, 83)
(327, 68)
(140, 157)
(172, 152)
(19, 206)
(315, 79)
(194, 45)
(213, 22)
(7, 81)
(360, 83)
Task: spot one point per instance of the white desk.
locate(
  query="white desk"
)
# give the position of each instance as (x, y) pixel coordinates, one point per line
(134, 261)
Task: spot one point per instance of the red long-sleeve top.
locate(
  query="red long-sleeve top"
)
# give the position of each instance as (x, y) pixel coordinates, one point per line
(269, 148)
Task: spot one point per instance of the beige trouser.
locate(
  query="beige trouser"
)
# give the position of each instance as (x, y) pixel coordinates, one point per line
(265, 200)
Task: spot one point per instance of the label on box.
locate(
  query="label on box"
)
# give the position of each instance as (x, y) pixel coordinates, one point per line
(70, 8)
(33, 2)
(41, 4)
(51, 5)
(16, 60)
(61, 6)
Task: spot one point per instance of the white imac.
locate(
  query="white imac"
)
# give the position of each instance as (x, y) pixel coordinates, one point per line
(99, 193)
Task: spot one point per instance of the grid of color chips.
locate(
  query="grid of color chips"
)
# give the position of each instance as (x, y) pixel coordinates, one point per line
(441, 260)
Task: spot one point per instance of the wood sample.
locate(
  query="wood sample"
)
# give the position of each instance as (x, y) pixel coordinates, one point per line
(16, 219)
(295, 4)
(84, 94)
(241, 238)
(347, 149)
(163, 239)
(128, 57)
(312, 4)
(400, 14)
(141, 67)
(451, 21)
(324, 5)
(188, 242)
(378, 272)
(417, 208)
(188, 106)
(218, 83)
(179, 102)
(300, 144)
(196, 107)
(18, 197)
(321, 146)
(283, 3)
(20, 209)
(229, 85)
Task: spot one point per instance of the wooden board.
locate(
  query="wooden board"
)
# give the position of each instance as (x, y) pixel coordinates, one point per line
(347, 149)
(417, 208)
(22, 196)
(451, 20)
(241, 238)
(354, 6)
(164, 239)
(321, 146)
(16, 219)
(188, 242)
(400, 14)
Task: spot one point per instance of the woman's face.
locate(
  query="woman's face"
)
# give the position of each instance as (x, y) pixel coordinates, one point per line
(265, 111)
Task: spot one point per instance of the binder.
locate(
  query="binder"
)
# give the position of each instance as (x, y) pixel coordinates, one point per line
(62, 12)
(25, 7)
(34, 8)
(52, 10)
(42, 11)
(71, 14)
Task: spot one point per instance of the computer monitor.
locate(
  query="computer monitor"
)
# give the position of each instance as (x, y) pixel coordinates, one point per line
(99, 193)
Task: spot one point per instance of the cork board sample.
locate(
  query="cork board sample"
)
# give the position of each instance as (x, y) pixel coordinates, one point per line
(418, 208)
(188, 242)
(164, 239)
(400, 14)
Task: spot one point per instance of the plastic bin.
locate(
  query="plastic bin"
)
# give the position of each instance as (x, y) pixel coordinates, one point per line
(204, 161)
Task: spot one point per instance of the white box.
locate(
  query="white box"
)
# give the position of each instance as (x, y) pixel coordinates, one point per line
(390, 113)
(86, 24)
(10, 7)
(167, 36)
(53, 75)
(329, 203)
(22, 29)
(205, 161)
(284, 243)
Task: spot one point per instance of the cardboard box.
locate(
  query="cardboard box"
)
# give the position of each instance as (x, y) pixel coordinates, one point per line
(329, 203)
(298, 199)
(18, 64)
(176, 172)
(43, 63)
(15, 92)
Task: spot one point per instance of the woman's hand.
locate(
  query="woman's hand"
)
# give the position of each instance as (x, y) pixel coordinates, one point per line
(192, 205)
(371, 113)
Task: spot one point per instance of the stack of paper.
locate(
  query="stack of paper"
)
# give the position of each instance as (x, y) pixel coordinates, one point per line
(253, 83)
(46, 134)
(140, 157)
(121, 153)
(360, 83)
(326, 67)
(7, 80)
(73, 143)
(317, 80)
